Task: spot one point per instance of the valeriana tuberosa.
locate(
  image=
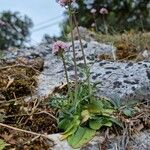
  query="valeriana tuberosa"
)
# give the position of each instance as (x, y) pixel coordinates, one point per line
(93, 11)
(65, 2)
(103, 11)
(2, 23)
(59, 48)
(68, 3)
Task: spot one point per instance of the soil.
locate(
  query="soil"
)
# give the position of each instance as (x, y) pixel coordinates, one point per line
(17, 82)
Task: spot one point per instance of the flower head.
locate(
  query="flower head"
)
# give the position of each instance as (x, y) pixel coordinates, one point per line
(2, 23)
(59, 47)
(65, 2)
(103, 11)
(93, 11)
(93, 24)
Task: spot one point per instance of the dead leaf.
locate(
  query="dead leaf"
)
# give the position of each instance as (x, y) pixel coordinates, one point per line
(11, 80)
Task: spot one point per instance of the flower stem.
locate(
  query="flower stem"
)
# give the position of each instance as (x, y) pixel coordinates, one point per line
(82, 49)
(96, 28)
(66, 74)
(105, 25)
(74, 54)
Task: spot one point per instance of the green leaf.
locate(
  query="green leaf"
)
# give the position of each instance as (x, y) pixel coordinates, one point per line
(107, 112)
(106, 103)
(128, 112)
(95, 107)
(104, 121)
(108, 124)
(63, 124)
(76, 137)
(74, 122)
(71, 127)
(117, 122)
(70, 132)
(116, 104)
(81, 137)
(85, 115)
(2, 144)
(95, 124)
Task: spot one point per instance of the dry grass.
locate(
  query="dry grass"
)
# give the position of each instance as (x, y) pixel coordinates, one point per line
(129, 45)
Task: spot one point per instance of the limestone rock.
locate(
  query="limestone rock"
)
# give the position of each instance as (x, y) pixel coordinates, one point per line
(53, 74)
(141, 142)
(120, 81)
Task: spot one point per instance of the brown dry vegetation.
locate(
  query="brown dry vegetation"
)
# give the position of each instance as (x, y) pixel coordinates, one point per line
(129, 45)
(17, 82)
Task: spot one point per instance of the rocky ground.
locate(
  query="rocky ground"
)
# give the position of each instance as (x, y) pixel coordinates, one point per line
(121, 81)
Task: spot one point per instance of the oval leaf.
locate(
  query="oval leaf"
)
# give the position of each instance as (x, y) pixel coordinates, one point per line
(95, 124)
(2, 144)
(81, 137)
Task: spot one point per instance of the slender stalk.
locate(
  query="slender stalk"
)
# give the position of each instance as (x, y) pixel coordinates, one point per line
(95, 23)
(74, 54)
(142, 25)
(105, 25)
(66, 74)
(82, 49)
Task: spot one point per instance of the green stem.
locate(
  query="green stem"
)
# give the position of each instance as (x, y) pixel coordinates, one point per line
(74, 54)
(95, 23)
(82, 49)
(66, 74)
(142, 25)
(105, 25)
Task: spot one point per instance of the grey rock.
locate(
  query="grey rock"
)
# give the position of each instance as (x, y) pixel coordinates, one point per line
(53, 74)
(141, 141)
(120, 81)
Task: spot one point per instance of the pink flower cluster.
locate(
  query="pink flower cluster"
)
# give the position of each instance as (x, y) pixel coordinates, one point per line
(2, 23)
(93, 10)
(65, 2)
(103, 11)
(93, 24)
(59, 47)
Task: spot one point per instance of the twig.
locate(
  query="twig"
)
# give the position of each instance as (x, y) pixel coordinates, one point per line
(25, 131)
(15, 96)
(19, 65)
(35, 138)
(13, 100)
(44, 112)
(36, 104)
(11, 80)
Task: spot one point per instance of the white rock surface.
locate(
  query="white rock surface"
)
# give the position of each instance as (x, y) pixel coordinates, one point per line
(140, 141)
(121, 81)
